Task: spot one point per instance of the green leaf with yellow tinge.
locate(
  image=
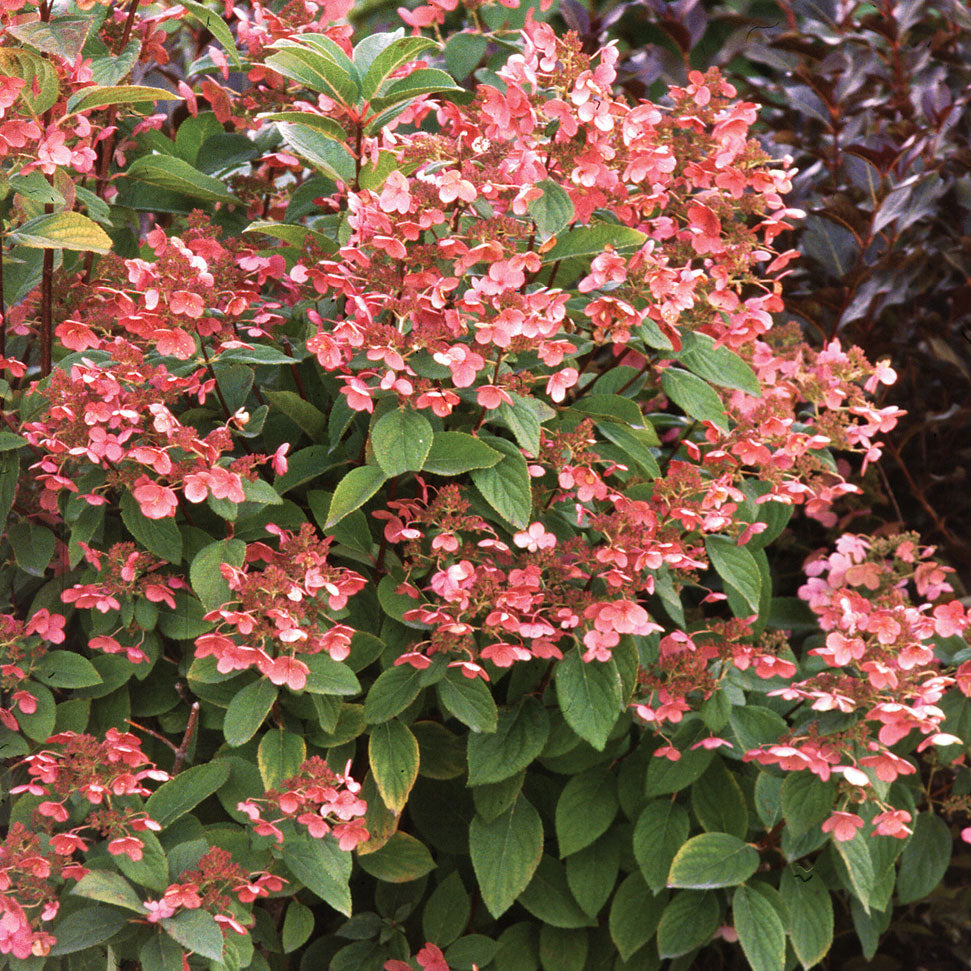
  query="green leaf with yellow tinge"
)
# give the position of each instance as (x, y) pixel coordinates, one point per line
(279, 756)
(712, 860)
(393, 756)
(62, 230)
(760, 930)
(505, 854)
(353, 491)
(402, 859)
(118, 94)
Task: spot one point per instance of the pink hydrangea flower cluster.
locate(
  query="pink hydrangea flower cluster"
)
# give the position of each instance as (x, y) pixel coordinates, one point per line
(316, 798)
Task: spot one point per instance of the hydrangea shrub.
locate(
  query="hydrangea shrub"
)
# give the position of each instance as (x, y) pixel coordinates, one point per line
(397, 480)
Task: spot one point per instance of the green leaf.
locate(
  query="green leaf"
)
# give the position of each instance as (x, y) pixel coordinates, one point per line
(177, 175)
(712, 860)
(855, 857)
(322, 867)
(39, 724)
(328, 156)
(447, 912)
(553, 210)
(634, 915)
(298, 925)
(86, 927)
(9, 440)
(393, 757)
(401, 441)
(327, 46)
(159, 536)
(302, 413)
(548, 897)
(374, 174)
(173, 799)
(198, 932)
(422, 81)
(463, 52)
(326, 126)
(288, 233)
(9, 476)
(159, 953)
(469, 700)
(717, 363)
(661, 830)
(736, 565)
(505, 854)
(768, 799)
(586, 808)
(109, 888)
(352, 531)
(313, 70)
(185, 622)
(61, 36)
(585, 241)
(523, 420)
(329, 677)
(517, 950)
(33, 546)
(519, 738)
(248, 710)
(925, 858)
(397, 53)
(256, 354)
(152, 870)
(35, 187)
(753, 725)
(591, 873)
(688, 921)
(393, 691)
(62, 230)
(563, 949)
(453, 453)
(280, 756)
(353, 491)
(590, 696)
(760, 930)
(494, 798)
(506, 485)
(806, 801)
(65, 669)
(204, 575)
(218, 27)
(442, 752)
(401, 860)
(612, 406)
(810, 915)
(42, 88)
(694, 396)
(718, 802)
(118, 94)
(636, 442)
(260, 491)
(108, 68)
